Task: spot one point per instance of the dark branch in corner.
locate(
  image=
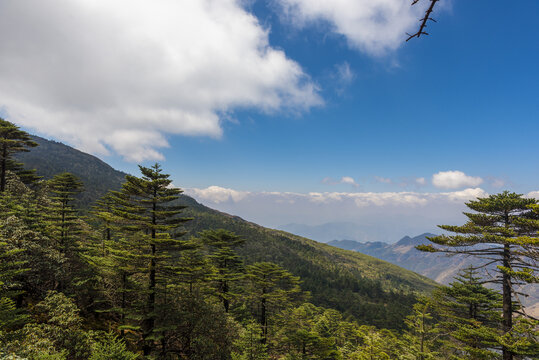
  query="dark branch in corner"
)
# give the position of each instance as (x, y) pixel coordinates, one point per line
(424, 20)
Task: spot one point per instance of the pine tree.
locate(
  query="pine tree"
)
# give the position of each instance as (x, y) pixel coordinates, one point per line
(271, 289)
(10, 267)
(422, 331)
(500, 233)
(470, 317)
(12, 140)
(228, 265)
(62, 223)
(145, 206)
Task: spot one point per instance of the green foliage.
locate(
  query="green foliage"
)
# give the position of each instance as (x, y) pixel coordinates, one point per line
(228, 265)
(12, 140)
(502, 231)
(372, 291)
(270, 290)
(110, 347)
(51, 158)
(56, 333)
(422, 333)
(470, 317)
(249, 345)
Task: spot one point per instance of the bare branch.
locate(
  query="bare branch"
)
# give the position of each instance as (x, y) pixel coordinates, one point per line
(424, 20)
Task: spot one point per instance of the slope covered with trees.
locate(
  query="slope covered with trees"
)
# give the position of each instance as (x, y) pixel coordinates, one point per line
(370, 290)
(131, 282)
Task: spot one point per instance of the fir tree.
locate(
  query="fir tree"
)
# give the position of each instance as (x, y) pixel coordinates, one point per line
(271, 289)
(422, 332)
(470, 317)
(12, 140)
(62, 223)
(500, 233)
(145, 205)
(228, 265)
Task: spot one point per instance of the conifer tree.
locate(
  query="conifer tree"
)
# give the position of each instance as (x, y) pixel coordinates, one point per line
(470, 317)
(10, 267)
(12, 140)
(145, 205)
(271, 289)
(228, 265)
(62, 217)
(499, 232)
(62, 223)
(422, 332)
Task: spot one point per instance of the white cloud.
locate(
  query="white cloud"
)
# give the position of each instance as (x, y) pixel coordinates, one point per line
(465, 195)
(349, 180)
(217, 194)
(386, 215)
(374, 26)
(533, 194)
(454, 180)
(344, 73)
(421, 181)
(120, 75)
(344, 180)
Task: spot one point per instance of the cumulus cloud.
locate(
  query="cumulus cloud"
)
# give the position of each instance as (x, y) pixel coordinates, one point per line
(216, 194)
(373, 26)
(454, 180)
(533, 194)
(121, 75)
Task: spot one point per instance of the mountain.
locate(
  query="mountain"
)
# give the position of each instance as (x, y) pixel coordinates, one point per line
(439, 267)
(436, 266)
(368, 289)
(51, 158)
(328, 231)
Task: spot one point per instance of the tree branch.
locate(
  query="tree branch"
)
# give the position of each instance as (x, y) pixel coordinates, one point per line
(424, 20)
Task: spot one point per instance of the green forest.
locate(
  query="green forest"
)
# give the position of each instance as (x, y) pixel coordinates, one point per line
(109, 266)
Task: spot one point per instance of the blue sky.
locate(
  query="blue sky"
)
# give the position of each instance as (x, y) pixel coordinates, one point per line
(464, 98)
(357, 111)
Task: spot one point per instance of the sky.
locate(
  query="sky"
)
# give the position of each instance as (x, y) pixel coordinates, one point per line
(289, 111)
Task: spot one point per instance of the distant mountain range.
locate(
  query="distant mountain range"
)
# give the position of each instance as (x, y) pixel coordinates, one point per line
(371, 290)
(439, 267)
(347, 230)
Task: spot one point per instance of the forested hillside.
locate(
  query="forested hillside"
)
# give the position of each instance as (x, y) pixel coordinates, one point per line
(51, 158)
(372, 291)
(147, 273)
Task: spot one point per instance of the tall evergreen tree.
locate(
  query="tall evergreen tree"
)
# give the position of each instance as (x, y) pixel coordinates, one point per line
(62, 223)
(470, 316)
(499, 233)
(12, 140)
(146, 206)
(271, 289)
(228, 265)
(62, 218)
(419, 339)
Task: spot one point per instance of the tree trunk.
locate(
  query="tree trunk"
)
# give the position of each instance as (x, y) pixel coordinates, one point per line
(149, 322)
(3, 169)
(507, 300)
(263, 319)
